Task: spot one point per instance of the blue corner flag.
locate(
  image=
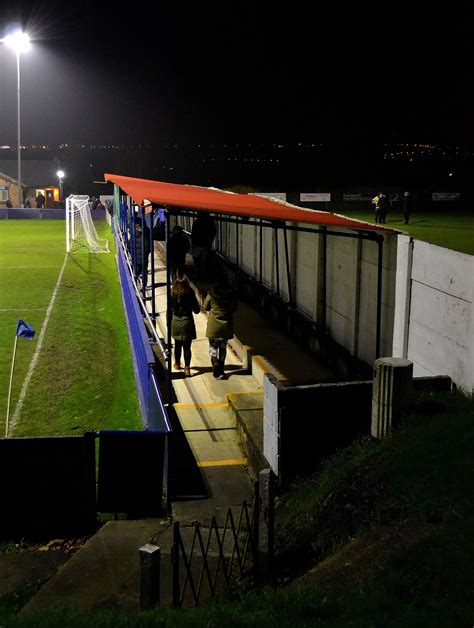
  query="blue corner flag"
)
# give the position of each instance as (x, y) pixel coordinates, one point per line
(23, 330)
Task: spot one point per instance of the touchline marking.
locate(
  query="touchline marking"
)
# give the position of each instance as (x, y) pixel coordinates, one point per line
(29, 267)
(35, 357)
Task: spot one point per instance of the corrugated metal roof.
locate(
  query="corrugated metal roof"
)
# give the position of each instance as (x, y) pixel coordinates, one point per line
(219, 201)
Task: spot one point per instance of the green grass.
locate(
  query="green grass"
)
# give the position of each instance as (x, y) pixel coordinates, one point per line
(424, 472)
(83, 379)
(450, 230)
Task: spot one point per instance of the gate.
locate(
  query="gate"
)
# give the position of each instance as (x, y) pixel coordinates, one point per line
(216, 557)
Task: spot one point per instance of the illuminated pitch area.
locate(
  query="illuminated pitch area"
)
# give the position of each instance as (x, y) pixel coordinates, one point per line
(76, 374)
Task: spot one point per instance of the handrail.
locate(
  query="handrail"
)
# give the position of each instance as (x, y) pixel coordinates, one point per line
(157, 339)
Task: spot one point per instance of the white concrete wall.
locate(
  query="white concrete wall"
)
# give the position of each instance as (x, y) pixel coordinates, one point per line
(434, 322)
(351, 280)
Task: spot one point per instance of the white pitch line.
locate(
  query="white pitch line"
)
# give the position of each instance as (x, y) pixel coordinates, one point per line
(34, 360)
(22, 309)
(29, 267)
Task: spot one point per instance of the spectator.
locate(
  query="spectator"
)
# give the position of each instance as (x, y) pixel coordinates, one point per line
(178, 247)
(221, 304)
(9, 203)
(383, 209)
(203, 233)
(407, 206)
(28, 202)
(142, 251)
(183, 329)
(375, 202)
(40, 200)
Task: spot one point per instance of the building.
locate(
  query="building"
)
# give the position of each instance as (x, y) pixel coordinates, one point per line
(37, 176)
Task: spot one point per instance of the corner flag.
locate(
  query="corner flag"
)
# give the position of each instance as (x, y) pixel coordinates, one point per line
(23, 330)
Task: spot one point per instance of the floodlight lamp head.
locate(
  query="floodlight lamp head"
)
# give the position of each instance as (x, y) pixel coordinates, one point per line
(60, 174)
(18, 41)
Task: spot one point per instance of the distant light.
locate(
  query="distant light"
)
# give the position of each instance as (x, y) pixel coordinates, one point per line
(60, 174)
(450, 174)
(18, 40)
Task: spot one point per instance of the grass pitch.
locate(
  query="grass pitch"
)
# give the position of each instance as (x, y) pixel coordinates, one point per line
(76, 374)
(452, 230)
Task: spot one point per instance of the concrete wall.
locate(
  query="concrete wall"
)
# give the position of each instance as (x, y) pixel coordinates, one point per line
(434, 320)
(351, 276)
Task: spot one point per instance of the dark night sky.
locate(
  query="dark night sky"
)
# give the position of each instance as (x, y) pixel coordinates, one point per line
(239, 71)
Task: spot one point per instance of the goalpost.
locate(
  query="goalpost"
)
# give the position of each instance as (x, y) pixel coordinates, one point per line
(80, 230)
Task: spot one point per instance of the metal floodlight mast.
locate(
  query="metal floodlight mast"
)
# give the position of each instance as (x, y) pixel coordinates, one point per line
(19, 42)
(60, 175)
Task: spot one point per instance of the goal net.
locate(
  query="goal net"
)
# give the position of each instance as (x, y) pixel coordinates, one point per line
(80, 230)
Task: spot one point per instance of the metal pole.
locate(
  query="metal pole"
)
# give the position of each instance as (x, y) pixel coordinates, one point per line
(324, 278)
(277, 262)
(10, 388)
(168, 309)
(20, 194)
(152, 252)
(261, 250)
(287, 259)
(379, 297)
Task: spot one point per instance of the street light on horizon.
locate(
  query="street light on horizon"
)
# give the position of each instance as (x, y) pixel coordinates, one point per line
(19, 42)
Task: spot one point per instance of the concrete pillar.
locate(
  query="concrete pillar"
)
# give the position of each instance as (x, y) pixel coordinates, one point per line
(149, 556)
(390, 394)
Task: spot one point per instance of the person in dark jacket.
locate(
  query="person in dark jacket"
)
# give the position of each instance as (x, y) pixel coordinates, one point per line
(183, 329)
(40, 201)
(407, 206)
(203, 233)
(221, 304)
(383, 208)
(142, 246)
(178, 247)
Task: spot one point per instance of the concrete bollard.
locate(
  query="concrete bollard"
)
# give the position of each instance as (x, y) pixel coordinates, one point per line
(149, 556)
(391, 392)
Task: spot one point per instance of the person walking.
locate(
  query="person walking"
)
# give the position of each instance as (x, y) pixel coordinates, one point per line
(221, 303)
(203, 233)
(407, 206)
(183, 329)
(178, 248)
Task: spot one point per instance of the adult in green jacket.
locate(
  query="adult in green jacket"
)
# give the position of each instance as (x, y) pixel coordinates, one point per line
(221, 303)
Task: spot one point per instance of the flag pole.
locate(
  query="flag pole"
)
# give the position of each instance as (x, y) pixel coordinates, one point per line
(10, 387)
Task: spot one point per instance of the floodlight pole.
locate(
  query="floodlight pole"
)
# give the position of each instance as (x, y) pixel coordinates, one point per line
(20, 193)
(10, 388)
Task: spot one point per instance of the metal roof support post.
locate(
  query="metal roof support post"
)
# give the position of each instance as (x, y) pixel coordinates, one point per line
(144, 257)
(152, 252)
(324, 245)
(261, 250)
(287, 260)
(168, 309)
(237, 241)
(133, 240)
(379, 296)
(277, 260)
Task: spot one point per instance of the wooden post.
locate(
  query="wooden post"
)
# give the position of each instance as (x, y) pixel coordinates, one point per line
(149, 556)
(266, 523)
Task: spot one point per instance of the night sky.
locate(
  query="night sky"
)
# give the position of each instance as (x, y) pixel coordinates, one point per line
(239, 71)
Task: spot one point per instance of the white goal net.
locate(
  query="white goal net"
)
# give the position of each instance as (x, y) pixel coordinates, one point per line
(80, 230)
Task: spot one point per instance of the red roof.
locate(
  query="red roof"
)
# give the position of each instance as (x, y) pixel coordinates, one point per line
(218, 201)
